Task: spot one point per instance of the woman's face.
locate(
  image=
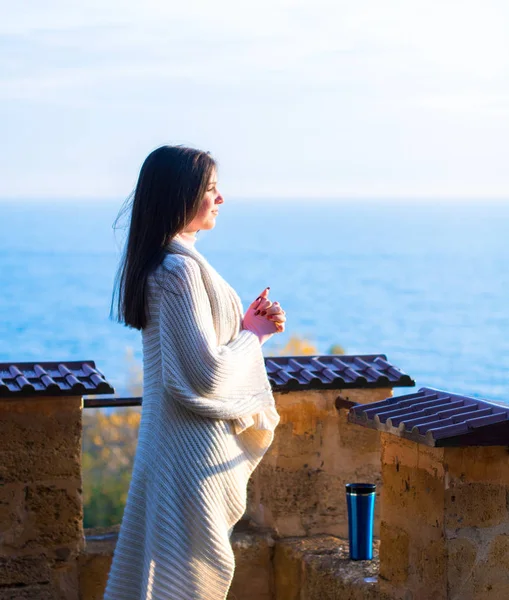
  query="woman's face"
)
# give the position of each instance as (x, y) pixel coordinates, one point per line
(209, 208)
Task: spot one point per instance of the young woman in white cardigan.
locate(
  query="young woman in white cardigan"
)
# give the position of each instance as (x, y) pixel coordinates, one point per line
(208, 413)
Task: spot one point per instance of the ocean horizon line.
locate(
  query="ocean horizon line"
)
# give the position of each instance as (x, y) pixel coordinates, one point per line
(398, 200)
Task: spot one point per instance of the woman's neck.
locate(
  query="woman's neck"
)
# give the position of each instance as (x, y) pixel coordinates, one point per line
(187, 237)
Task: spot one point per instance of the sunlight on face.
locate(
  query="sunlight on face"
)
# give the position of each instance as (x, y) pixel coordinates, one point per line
(209, 208)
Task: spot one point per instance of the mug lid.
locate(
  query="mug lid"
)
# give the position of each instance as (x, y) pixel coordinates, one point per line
(360, 488)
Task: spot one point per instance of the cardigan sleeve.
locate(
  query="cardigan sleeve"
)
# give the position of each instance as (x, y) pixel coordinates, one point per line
(217, 381)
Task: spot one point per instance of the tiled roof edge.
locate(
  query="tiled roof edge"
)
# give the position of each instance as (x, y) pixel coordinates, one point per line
(334, 372)
(437, 418)
(285, 373)
(55, 378)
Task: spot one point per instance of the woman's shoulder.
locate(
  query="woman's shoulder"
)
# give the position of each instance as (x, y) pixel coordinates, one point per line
(176, 271)
(176, 264)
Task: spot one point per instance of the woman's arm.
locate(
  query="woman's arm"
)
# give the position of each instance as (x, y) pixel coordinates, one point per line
(218, 381)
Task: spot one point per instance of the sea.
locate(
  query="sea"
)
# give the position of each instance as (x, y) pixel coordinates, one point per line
(425, 283)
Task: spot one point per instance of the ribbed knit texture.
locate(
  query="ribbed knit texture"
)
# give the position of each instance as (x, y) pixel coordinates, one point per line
(201, 375)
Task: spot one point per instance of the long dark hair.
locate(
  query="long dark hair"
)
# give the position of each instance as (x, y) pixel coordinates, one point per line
(171, 185)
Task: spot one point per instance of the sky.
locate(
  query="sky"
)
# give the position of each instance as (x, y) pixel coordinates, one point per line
(294, 99)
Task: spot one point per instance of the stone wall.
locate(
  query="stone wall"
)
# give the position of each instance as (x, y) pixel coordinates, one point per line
(319, 568)
(297, 490)
(299, 487)
(267, 568)
(41, 514)
(445, 520)
(476, 502)
(444, 531)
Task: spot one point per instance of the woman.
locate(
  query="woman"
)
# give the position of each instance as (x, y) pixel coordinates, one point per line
(208, 412)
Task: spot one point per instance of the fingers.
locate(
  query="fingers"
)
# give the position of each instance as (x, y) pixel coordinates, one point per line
(278, 318)
(254, 305)
(263, 306)
(275, 309)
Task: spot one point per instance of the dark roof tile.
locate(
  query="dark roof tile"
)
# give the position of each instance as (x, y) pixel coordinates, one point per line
(285, 374)
(437, 418)
(52, 378)
(334, 372)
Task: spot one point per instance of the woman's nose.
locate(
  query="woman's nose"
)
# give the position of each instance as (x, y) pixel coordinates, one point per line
(219, 199)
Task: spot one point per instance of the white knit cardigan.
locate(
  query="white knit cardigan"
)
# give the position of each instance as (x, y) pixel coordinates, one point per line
(207, 419)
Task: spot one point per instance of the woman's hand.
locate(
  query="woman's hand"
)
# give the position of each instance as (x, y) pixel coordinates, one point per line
(273, 312)
(264, 318)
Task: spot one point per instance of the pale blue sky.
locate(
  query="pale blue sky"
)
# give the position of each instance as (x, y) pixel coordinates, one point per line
(316, 98)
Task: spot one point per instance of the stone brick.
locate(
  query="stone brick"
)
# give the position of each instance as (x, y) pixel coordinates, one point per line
(37, 466)
(427, 573)
(431, 460)
(253, 579)
(475, 505)
(483, 464)
(24, 570)
(65, 582)
(40, 439)
(402, 452)
(54, 515)
(299, 487)
(410, 563)
(490, 581)
(398, 451)
(304, 502)
(289, 453)
(394, 554)
(498, 590)
(93, 574)
(412, 497)
(304, 411)
(32, 592)
(287, 573)
(27, 433)
(12, 507)
(462, 554)
(42, 406)
(499, 552)
(355, 440)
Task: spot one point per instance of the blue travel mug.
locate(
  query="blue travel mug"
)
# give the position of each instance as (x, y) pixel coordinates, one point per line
(360, 500)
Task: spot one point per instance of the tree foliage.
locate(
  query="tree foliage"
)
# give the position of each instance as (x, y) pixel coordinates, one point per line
(301, 346)
(110, 437)
(109, 447)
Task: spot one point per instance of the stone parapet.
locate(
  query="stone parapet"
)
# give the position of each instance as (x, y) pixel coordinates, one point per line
(254, 570)
(267, 568)
(41, 512)
(476, 521)
(319, 568)
(253, 549)
(299, 487)
(95, 561)
(445, 520)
